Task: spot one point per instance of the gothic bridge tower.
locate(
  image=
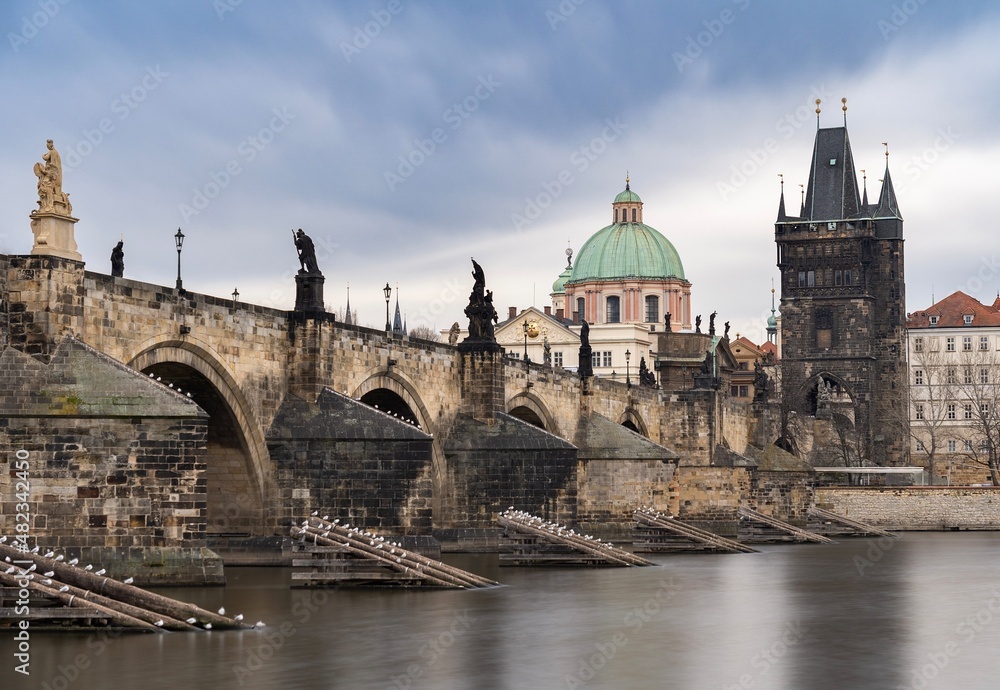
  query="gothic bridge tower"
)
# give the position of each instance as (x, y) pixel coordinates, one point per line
(842, 300)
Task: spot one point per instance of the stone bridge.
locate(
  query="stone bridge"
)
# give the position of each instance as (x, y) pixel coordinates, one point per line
(305, 413)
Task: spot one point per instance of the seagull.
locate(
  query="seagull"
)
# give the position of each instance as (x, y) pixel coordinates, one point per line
(90, 566)
(238, 617)
(47, 581)
(129, 580)
(191, 620)
(64, 588)
(59, 557)
(50, 573)
(10, 570)
(222, 610)
(159, 623)
(35, 550)
(315, 513)
(259, 624)
(101, 571)
(50, 554)
(208, 626)
(74, 561)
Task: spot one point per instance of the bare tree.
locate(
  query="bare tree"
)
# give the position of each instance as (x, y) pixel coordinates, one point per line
(978, 386)
(933, 388)
(425, 333)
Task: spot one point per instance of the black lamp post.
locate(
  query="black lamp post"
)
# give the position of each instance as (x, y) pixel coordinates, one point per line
(525, 326)
(387, 291)
(236, 296)
(628, 380)
(179, 241)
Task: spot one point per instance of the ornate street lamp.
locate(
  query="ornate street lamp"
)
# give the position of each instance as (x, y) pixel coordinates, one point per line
(236, 296)
(179, 241)
(387, 291)
(525, 326)
(628, 380)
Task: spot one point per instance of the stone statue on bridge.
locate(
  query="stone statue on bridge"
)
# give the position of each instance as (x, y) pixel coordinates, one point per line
(118, 260)
(307, 253)
(646, 377)
(51, 197)
(482, 315)
(586, 365)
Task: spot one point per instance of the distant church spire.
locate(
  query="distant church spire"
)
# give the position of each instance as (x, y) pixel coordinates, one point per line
(781, 203)
(864, 181)
(347, 317)
(888, 207)
(397, 321)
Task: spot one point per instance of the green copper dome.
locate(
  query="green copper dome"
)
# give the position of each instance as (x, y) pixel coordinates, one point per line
(628, 196)
(627, 250)
(559, 287)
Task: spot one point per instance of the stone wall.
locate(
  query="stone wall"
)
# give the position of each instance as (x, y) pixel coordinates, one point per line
(784, 495)
(916, 508)
(710, 496)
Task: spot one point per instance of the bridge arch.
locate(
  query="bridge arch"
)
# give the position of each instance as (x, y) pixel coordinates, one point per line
(530, 408)
(631, 419)
(376, 386)
(239, 471)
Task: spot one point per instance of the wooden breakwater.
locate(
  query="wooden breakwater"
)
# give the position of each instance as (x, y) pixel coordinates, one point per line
(660, 533)
(530, 540)
(336, 553)
(67, 592)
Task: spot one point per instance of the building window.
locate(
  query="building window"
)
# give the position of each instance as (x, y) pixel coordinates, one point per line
(966, 343)
(613, 312)
(580, 306)
(838, 277)
(934, 320)
(606, 358)
(595, 359)
(983, 445)
(920, 445)
(967, 446)
(918, 377)
(514, 355)
(918, 344)
(634, 211)
(847, 277)
(967, 319)
(734, 391)
(967, 376)
(652, 309)
(557, 359)
(952, 446)
(950, 377)
(984, 342)
(967, 411)
(802, 278)
(984, 376)
(919, 408)
(950, 344)
(811, 279)
(951, 410)
(984, 410)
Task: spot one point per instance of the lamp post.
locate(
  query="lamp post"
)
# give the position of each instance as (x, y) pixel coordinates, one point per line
(628, 380)
(179, 241)
(236, 296)
(525, 326)
(387, 291)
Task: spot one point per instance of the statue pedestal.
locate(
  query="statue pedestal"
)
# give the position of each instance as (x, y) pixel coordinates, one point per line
(309, 292)
(54, 235)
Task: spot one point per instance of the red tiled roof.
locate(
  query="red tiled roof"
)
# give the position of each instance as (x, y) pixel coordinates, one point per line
(952, 310)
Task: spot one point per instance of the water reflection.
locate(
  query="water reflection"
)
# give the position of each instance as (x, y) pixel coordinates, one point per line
(862, 614)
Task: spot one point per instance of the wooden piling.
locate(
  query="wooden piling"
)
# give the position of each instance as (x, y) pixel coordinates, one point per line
(537, 542)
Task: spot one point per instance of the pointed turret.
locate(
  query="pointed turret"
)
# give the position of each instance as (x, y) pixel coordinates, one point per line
(888, 222)
(397, 321)
(348, 321)
(781, 203)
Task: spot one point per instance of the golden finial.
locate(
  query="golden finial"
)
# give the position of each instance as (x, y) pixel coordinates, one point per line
(844, 108)
(782, 178)
(818, 101)
(626, 179)
(886, 145)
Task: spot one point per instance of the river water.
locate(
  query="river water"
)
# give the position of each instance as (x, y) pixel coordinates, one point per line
(917, 612)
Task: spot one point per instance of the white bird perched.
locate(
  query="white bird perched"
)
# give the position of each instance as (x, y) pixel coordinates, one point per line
(326, 517)
(50, 554)
(222, 610)
(47, 581)
(3, 539)
(9, 570)
(36, 549)
(129, 580)
(315, 513)
(74, 561)
(259, 624)
(50, 573)
(208, 626)
(34, 566)
(64, 588)
(60, 557)
(336, 520)
(238, 617)
(159, 623)
(101, 571)
(191, 620)
(90, 566)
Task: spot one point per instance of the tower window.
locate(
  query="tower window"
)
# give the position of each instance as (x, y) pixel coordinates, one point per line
(652, 309)
(580, 306)
(613, 310)
(633, 214)
(811, 279)
(802, 278)
(838, 277)
(847, 277)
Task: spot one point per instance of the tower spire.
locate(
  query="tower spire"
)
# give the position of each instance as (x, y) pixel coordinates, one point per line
(781, 202)
(347, 316)
(864, 200)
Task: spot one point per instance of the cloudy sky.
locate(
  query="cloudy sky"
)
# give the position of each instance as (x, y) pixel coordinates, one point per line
(405, 137)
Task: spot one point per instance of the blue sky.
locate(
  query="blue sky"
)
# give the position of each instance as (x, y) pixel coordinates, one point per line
(405, 137)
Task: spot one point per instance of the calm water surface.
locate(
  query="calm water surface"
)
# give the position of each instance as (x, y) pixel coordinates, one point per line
(915, 612)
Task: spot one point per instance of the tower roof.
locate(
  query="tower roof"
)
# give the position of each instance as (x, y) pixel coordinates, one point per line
(888, 207)
(832, 193)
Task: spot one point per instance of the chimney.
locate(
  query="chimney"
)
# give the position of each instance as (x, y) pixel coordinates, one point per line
(560, 314)
(548, 311)
(511, 312)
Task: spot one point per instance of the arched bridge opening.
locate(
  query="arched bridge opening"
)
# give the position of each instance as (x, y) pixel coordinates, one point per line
(234, 503)
(526, 414)
(391, 403)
